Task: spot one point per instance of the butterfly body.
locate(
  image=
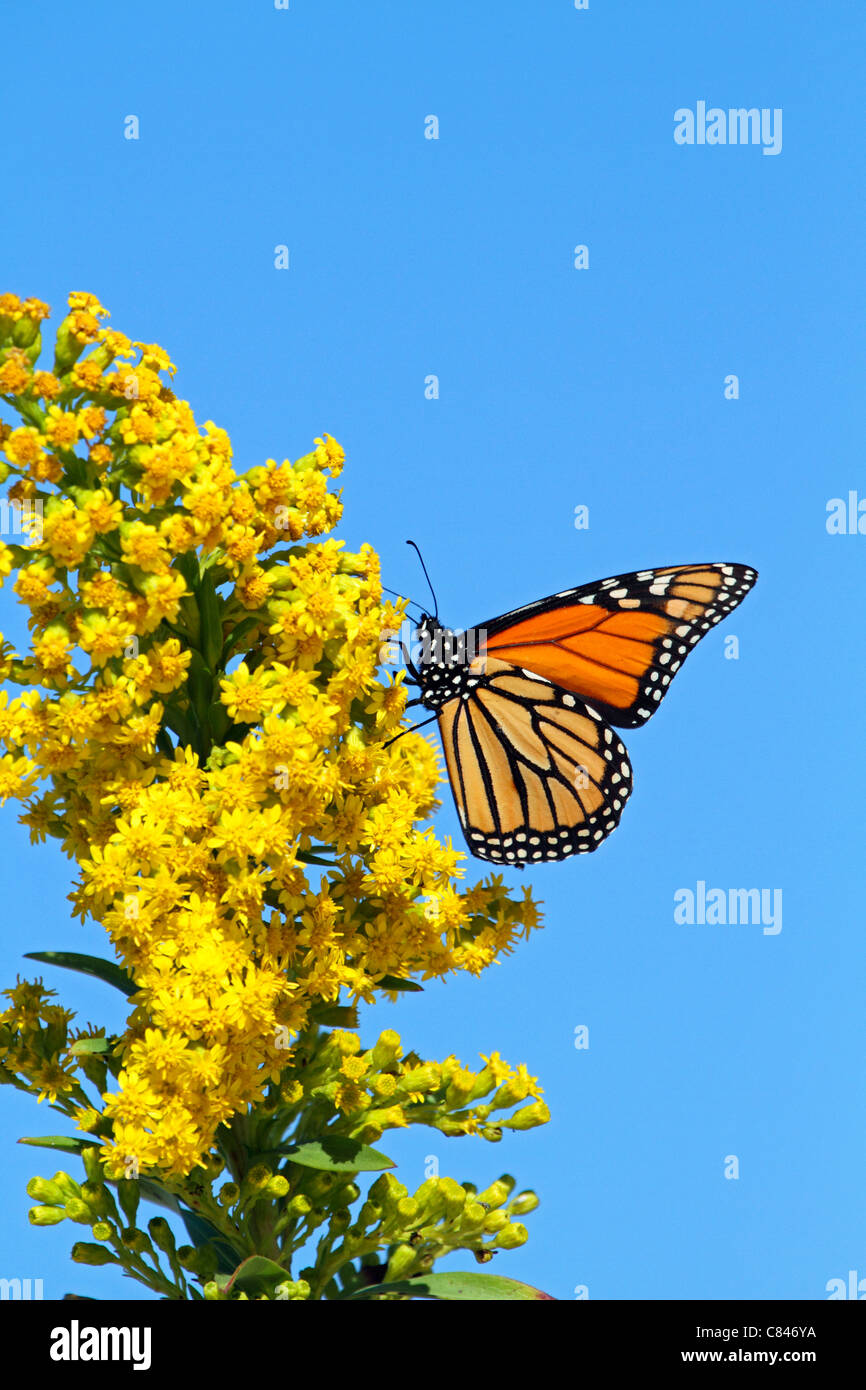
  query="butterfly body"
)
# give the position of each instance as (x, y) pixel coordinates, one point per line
(445, 657)
(525, 702)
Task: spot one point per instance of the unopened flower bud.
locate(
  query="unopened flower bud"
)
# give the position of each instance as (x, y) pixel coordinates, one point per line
(401, 1261)
(513, 1236)
(83, 1253)
(530, 1116)
(46, 1216)
(498, 1192)
(278, 1186)
(135, 1240)
(128, 1193)
(79, 1211)
(385, 1051)
(523, 1202)
(424, 1078)
(44, 1190)
(386, 1192)
(161, 1234)
(93, 1164)
(474, 1216)
(496, 1221)
(454, 1197)
(68, 1186)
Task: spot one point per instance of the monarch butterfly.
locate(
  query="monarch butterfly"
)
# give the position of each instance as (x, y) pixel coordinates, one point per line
(525, 702)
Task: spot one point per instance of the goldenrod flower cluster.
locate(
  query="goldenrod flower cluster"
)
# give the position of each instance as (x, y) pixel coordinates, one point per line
(201, 722)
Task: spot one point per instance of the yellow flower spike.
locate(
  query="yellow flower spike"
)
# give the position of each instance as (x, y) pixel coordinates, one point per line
(186, 791)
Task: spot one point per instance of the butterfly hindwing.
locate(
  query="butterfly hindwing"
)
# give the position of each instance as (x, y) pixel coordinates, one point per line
(619, 642)
(537, 774)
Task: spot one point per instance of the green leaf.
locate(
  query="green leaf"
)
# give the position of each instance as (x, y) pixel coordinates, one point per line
(68, 1143)
(210, 610)
(282, 556)
(337, 1154)
(165, 745)
(219, 721)
(187, 564)
(394, 982)
(458, 1287)
(180, 724)
(107, 970)
(315, 856)
(236, 635)
(83, 1046)
(151, 1191)
(201, 1232)
(199, 683)
(257, 1275)
(335, 1015)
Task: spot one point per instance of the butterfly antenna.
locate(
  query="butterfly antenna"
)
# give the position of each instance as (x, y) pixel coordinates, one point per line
(427, 577)
(386, 590)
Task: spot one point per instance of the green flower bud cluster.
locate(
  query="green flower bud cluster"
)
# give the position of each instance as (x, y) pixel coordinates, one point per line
(443, 1216)
(273, 1206)
(93, 1204)
(379, 1090)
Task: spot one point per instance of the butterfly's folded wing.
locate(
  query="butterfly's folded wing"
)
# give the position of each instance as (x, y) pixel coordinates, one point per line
(618, 643)
(536, 773)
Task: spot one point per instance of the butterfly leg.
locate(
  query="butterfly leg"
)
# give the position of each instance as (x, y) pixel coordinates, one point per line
(412, 729)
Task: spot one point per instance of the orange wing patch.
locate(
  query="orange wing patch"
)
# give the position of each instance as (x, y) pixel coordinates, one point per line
(618, 643)
(598, 654)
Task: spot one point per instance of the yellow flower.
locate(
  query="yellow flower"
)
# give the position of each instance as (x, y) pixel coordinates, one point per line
(67, 533)
(143, 546)
(103, 511)
(103, 637)
(61, 428)
(51, 649)
(45, 386)
(24, 447)
(15, 373)
(16, 776)
(251, 847)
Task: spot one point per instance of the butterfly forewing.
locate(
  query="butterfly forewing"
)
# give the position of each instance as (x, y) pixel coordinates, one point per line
(619, 642)
(537, 774)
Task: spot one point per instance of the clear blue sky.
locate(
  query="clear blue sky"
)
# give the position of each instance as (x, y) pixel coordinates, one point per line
(558, 387)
